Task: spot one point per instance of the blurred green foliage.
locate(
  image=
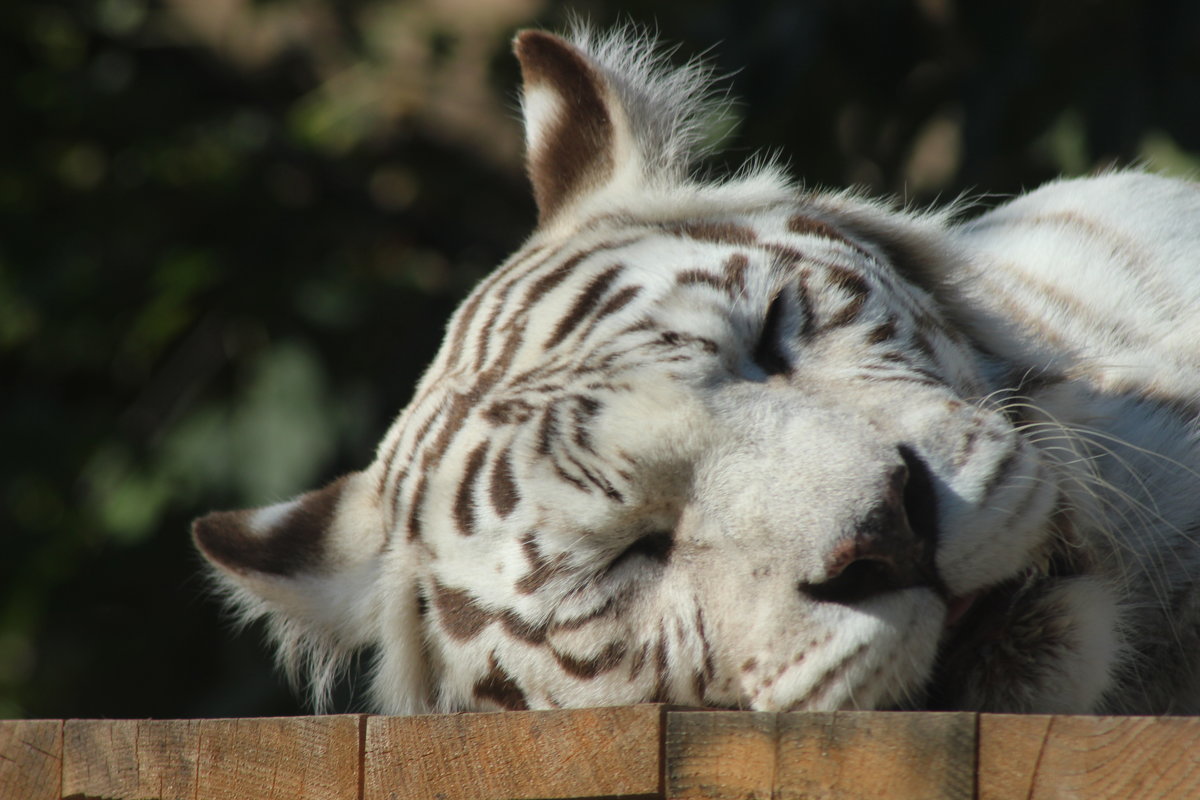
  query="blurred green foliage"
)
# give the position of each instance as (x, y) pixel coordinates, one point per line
(230, 235)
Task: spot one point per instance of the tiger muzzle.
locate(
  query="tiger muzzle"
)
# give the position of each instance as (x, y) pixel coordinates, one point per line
(892, 547)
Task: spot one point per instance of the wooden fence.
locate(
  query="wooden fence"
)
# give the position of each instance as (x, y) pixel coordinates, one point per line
(647, 751)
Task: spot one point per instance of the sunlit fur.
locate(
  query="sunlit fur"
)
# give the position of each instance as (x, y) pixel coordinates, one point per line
(733, 443)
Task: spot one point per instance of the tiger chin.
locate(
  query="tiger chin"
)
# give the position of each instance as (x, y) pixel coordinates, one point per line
(738, 444)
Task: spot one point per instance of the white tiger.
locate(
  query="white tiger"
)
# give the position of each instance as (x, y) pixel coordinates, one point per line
(733, 444)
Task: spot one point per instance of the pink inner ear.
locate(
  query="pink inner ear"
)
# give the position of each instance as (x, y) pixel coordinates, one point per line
(569, 130)
(278, 540)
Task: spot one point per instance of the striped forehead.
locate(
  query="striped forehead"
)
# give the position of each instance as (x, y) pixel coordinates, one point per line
(544, 298)
(566, 296)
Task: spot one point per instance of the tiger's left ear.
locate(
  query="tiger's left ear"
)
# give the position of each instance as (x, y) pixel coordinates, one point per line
(319, 569)
(573, 121)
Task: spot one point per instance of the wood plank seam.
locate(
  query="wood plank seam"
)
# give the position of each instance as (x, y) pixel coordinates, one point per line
(362, 755)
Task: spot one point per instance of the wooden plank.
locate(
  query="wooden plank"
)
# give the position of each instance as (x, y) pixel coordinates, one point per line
(129, 758)
(1009, 749)
(633, 752)
(711, 755)
(1097, 758)
(31, 759)
(847, 755)
(218, 759)
(601, 752)
(843, 755)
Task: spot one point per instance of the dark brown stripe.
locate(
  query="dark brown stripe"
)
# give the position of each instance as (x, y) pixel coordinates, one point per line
(640, 326)
(454, 345)
(618, 301)
(393, 509)
(561, 472)
(828, 677)
(460, 616)
(576, 623)
(502, 489)
(542, 570)
(414, 509)
(464, 499)
(661, 668)
(498, 686)
(582, 413)
(542, 574)
(784, 255)
(848, 280)
(702, 676)
(459, 406)
(509, 412)
(678, 339)
(710, 666)
(385, 471)
(598, 480)
(551, 279)
(491, 376)
(639, 661)
(583, 305)
(588, 668)
(548, 429)
(458, 335)
(735, 271)
(523, 630)
(398, 484)
(486, 332)
(712, 231)
(807, 226)
(847, 313)
(882, 333)
(702, 277)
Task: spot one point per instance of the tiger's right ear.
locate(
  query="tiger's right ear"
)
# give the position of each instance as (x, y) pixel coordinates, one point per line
(572, 121)
(607, 113)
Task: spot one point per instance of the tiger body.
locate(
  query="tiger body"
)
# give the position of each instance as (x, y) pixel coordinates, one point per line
(739, 445)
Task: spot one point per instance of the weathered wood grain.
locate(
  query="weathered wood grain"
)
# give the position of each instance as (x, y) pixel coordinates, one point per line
(712, 755)
(603, 752)
(31, 759)
(854, 754)
(220, 759)
(633, 752)
(1092, 758)
(843, 755)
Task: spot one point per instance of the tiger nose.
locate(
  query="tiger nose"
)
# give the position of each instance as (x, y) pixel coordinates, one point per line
(889, 548)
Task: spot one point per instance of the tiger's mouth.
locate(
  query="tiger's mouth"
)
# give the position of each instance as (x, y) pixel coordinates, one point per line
(990, 634)
(959, 607)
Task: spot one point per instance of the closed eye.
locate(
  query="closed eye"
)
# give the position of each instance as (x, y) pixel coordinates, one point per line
(655, 546)
(768, 351)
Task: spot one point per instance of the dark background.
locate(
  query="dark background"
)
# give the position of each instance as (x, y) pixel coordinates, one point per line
(231, 231)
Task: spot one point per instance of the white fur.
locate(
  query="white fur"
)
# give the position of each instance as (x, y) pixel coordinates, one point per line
(1048, 385)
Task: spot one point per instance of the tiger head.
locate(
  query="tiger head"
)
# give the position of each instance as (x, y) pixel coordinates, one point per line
(714, 443)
